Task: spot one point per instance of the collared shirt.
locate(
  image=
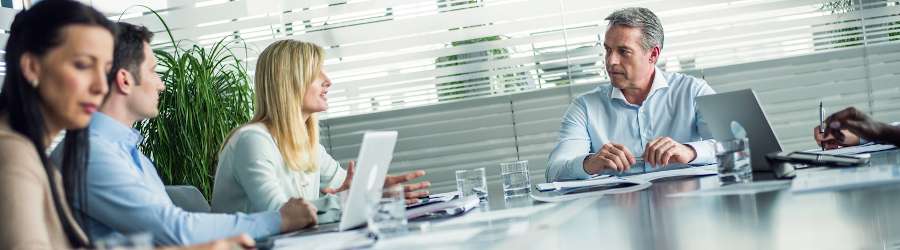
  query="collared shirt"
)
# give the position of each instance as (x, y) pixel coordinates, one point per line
(126, 196)
(603, 115)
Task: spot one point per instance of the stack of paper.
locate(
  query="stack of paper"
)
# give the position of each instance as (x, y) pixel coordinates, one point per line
(605, 184)
(452, 207)
(638, 178)
(681, 172)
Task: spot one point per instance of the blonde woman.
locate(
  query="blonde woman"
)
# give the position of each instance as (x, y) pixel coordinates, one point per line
(277, 155)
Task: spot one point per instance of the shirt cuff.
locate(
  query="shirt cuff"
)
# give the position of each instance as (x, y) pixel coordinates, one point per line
(863, 141)
(705, 150)
(271, 223)
(576, 168)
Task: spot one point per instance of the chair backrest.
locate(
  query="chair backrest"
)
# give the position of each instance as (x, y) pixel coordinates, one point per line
(188, 198)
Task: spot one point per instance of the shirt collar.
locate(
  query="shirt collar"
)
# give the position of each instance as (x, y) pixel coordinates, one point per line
(659, 82)
(112, 130)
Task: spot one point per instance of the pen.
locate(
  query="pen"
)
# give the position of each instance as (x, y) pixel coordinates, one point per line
(822, 122)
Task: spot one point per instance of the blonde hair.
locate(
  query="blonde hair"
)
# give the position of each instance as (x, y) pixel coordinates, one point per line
(284, 72)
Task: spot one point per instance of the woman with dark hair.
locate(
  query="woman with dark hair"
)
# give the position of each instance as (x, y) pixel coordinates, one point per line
(57, 58)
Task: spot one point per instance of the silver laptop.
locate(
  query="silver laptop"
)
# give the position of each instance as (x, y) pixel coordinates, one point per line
(375, 154)
(742, 106)
(374, 158)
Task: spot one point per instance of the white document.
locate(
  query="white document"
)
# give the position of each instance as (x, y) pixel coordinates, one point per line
(539, 196)
(453, 207)
(597, 181)
(681, 172)
(855, 150)
(640, 181)
(638, 178)
(326, 241)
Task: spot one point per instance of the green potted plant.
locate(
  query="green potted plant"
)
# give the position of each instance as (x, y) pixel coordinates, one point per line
(207, 94)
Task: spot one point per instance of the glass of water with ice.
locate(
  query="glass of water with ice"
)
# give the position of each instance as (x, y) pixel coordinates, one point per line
(734, 161)
(471, 182)
(515, 179)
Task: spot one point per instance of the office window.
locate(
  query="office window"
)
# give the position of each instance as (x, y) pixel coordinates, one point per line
(390, 54)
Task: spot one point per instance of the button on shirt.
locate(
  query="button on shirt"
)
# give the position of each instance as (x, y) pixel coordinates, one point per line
(603, 115)
(126, 196)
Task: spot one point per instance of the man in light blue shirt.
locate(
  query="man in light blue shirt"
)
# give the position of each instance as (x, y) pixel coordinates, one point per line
(643, 112)
(123, 190)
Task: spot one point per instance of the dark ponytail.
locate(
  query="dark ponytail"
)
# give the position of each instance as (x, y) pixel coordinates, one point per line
(36, 31)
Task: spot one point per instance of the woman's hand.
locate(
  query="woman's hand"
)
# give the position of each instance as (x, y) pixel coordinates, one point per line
(412, 191)
(347, 180)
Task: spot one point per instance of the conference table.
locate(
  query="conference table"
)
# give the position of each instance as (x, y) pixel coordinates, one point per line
(821, 208)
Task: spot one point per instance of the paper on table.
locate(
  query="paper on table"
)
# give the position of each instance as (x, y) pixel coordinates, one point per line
(638, 181)
(551, 197)
(606, 180)
(433, 199)
(335, 240)
(854, 150)
(638, 178)
(452, 207)
(689, 171)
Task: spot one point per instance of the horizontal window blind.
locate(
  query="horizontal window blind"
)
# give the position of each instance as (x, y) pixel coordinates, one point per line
(388, 54)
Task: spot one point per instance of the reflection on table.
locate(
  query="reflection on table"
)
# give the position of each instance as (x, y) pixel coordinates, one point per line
(687, 213)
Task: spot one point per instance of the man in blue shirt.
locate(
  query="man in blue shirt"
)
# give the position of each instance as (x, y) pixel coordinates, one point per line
(123, 190)
(643, 112)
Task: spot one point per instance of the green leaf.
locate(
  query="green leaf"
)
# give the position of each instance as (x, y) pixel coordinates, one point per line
(208, 94)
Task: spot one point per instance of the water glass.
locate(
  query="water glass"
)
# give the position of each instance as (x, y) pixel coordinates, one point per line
(517, 201)
(734, 161)
(387, 216)
(140, 241)
(515, 178)
(471, 182)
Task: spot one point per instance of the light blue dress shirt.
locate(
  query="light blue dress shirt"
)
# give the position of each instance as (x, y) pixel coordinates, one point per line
(604, 116)
(126, 196)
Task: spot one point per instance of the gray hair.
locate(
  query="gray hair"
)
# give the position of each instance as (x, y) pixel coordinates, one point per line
(643, 18)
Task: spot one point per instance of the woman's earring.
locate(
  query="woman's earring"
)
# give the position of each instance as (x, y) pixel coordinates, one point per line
(34, 83)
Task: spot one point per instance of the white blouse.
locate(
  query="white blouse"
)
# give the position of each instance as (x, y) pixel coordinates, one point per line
(251, 175)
